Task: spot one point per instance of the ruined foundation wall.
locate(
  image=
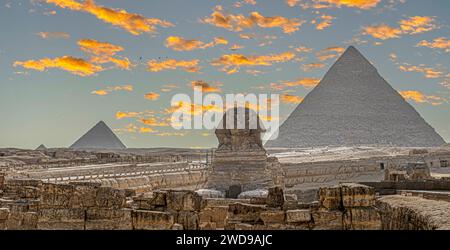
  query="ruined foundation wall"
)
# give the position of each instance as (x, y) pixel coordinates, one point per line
(413, 213)
(329, 171)
(32, 204)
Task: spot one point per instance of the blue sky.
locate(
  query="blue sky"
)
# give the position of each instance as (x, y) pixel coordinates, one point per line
(44, 99)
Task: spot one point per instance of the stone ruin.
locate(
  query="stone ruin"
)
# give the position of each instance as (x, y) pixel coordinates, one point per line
(407, 171)
(240, 162)
(31, 204)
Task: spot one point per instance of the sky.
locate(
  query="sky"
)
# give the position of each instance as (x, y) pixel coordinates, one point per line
(67, 64)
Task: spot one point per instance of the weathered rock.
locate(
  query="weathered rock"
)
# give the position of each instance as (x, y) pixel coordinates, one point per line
(413, 213)
(210, 193)
(356, 195)
(22, 221)
(108, 219)
(207, 226)
(275, 197)
(245, 212)
(61, 219)
(4, 213)
(330, 198)
(243, 226)
(179, 200)
(327, 220)
(56, 195)
(273, 217)
(298, 216)
(216, 215)
(177, 226)
(361, 219)
(152, 220)
(110, 198)
(259, 193)
(188, 219)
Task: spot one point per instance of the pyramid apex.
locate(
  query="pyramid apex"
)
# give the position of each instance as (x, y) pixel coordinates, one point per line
(41, 147)
(99, 137)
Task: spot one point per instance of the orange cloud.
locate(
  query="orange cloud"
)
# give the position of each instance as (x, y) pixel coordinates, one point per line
(360, 4)
(327, 4)
(121, 114)
(108, 90)
(154, 122)
(329, 53)
(50, 35)
(304, 82)
(103, 52)
(172, 64)
(292, 3)
(235, 61)
(143, 130)
(303, 49)
(192, 109)
(438, 43)
(419, 97)
(418, 24)
(206, 87)
(152, 96)
(181, 44)
(312, 66)
(427, 71)
(76, 66)
(382, 31)
(240, 22)
(133, 23)
(291, 99)
(240, 3)
(411, 26)
(324, 23)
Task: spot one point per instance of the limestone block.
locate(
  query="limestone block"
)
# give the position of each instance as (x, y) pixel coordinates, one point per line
(216, 214)
(108, 219)
(56, 195)
(298, 216)
(362, 219)
(4, 213)
(85, 195)
(356, 195)
(61, 219)
(152, 220)
(110, 198)
(273, 217)
(207, 226)
(179, 200)
(330, 197)
(188, 219)
(177, 226)
(157, 201)
(275, 197)
(22, 221)
(245, 212)
(243, 226)
(327, 220)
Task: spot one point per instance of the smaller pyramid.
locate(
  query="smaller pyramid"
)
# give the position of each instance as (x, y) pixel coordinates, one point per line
(99, 137)
(41, 147)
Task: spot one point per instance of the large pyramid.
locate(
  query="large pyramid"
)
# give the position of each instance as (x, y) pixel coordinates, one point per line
(353, 105)
(99, 137)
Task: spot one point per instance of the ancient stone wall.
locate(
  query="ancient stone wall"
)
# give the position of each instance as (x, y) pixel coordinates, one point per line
(413, 213)
(32, 204)
(329, 171)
